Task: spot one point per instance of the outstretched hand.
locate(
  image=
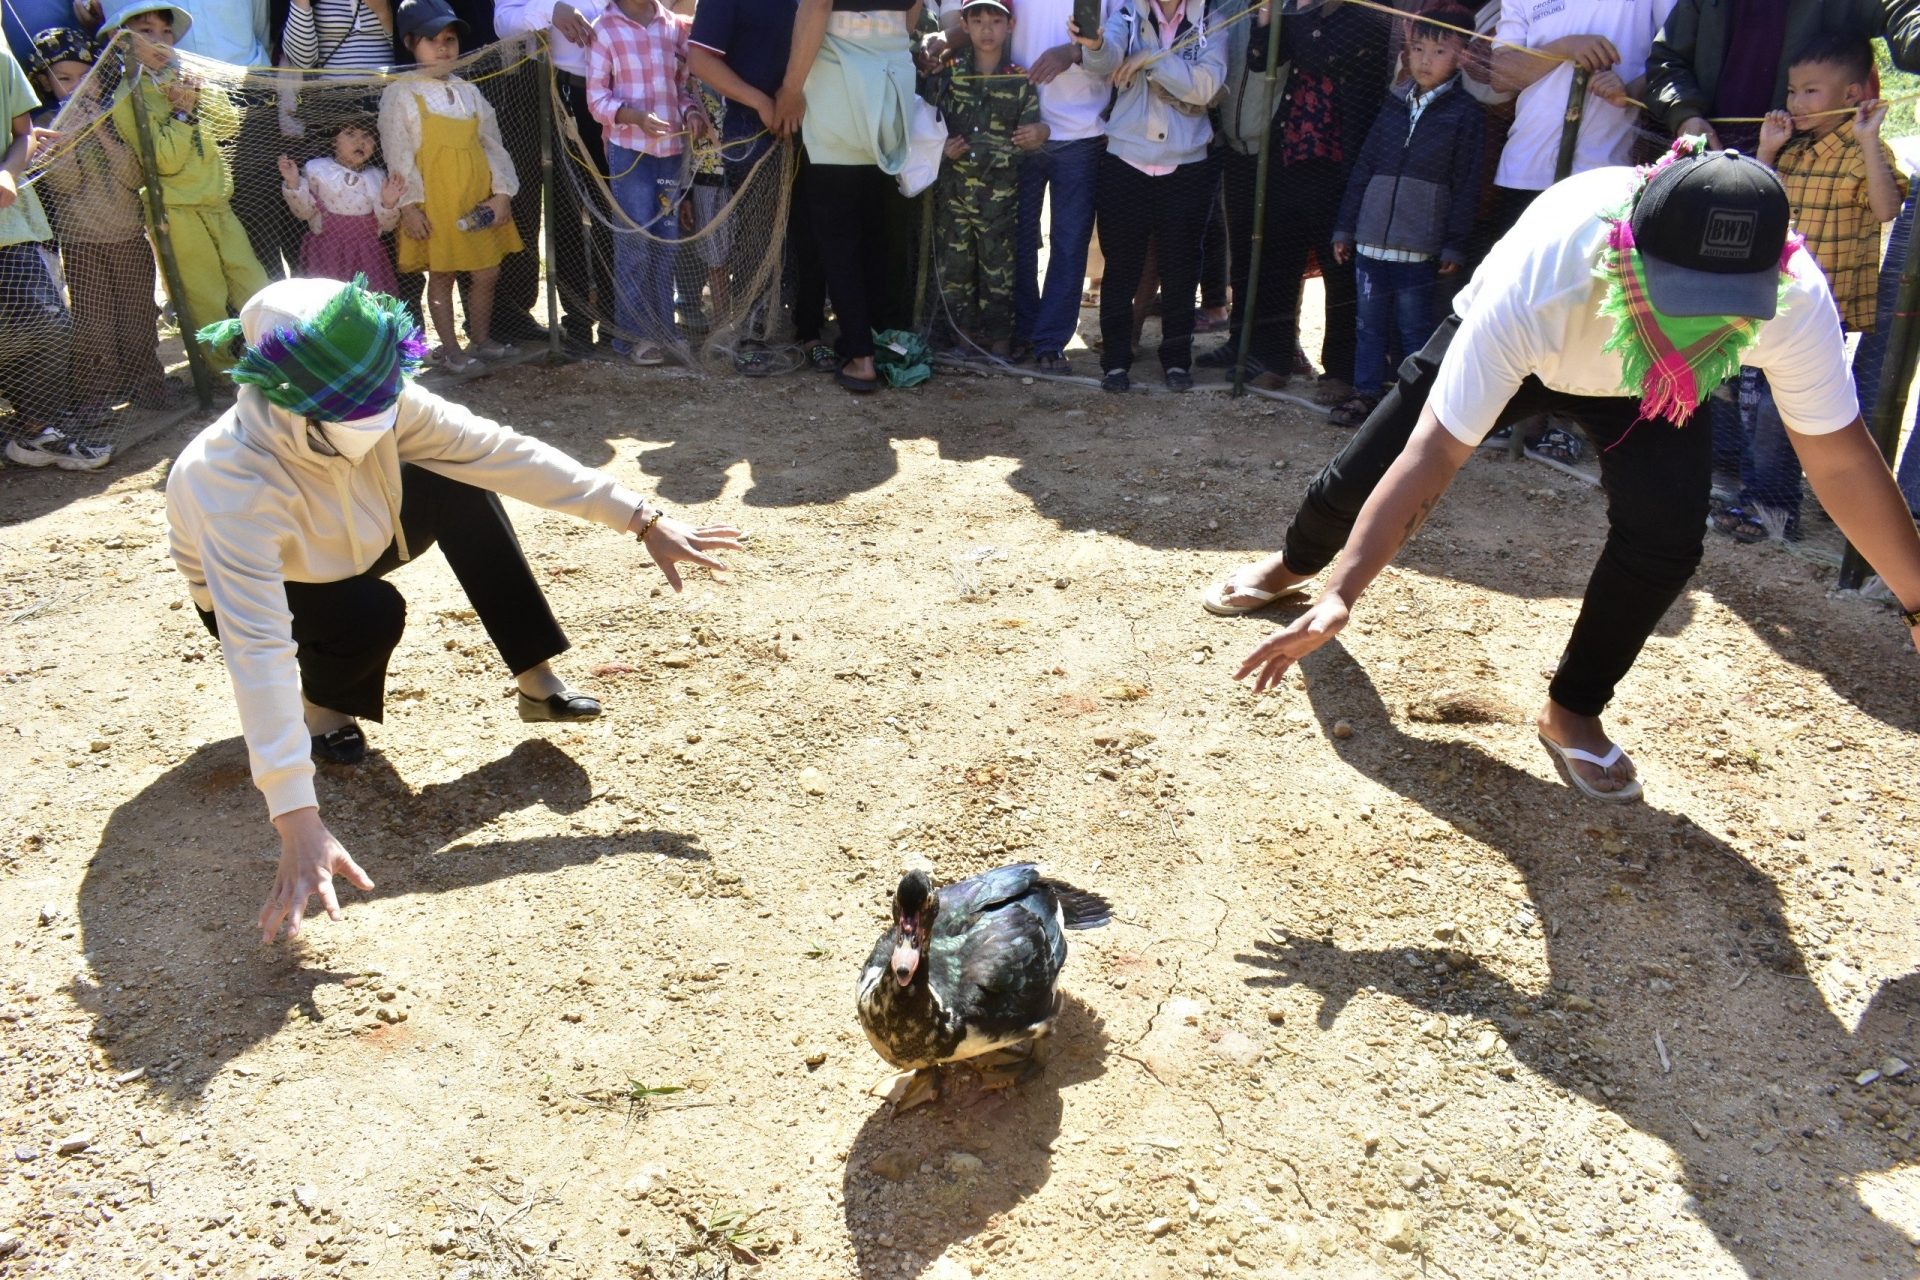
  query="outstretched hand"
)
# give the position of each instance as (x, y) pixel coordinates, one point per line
(1279, 651)
(309, 859)
(671, 541)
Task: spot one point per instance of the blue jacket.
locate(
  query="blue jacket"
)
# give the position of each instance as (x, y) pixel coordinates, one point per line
(1417, 189)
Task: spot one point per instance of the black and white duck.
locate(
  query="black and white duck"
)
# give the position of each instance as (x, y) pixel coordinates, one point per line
(970, 969)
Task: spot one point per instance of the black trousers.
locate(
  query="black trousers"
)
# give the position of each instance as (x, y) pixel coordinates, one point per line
(848, 212)
(808, 283)
(1134, 211)
(1213, 250)
(346, 631)
(513, 98)
(1302, 202)
(1657, 477)
(582, 242)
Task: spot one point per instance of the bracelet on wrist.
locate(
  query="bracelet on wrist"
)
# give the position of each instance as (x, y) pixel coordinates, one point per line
(1911, 617)
(648, 526)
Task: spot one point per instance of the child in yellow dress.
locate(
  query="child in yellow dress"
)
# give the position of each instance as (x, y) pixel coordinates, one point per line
(442, 139)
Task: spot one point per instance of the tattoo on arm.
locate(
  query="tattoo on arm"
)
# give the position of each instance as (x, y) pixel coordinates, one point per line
(1418, 518)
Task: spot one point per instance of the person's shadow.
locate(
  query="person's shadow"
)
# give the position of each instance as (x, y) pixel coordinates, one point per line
(1653, 927)
(177, 983)
(918, 1181)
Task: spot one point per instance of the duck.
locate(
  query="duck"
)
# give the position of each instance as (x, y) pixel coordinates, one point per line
(971, 971)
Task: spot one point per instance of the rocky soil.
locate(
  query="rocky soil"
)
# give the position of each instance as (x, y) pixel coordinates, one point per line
(1382, 996)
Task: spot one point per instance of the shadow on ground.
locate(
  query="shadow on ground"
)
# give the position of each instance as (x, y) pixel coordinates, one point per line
(1763, 1066)
(177, 982)
(912, 1187)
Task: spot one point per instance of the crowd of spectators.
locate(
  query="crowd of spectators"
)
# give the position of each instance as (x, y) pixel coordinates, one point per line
(1123, 155)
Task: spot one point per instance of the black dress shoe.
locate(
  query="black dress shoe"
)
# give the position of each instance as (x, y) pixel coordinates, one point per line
(565, 705)
(345, 745)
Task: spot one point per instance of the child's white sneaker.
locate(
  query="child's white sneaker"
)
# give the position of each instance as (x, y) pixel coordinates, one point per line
(54, 448)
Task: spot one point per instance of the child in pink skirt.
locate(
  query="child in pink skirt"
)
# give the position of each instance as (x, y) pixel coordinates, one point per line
(347, 203)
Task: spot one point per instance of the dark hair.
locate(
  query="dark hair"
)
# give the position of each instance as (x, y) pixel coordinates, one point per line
(1428, 23)
(1851, 54)
(360, 122)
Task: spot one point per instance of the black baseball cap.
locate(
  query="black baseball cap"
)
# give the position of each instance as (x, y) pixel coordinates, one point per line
(1709, 229)
(426, 18)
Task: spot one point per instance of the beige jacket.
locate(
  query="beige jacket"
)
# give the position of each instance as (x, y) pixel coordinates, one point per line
(251, 506)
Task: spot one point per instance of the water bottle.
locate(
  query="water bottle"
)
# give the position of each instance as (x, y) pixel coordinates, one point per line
(478, 220)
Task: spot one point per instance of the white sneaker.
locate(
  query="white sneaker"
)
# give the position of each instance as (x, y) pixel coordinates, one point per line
(647, 355)
(53, 448)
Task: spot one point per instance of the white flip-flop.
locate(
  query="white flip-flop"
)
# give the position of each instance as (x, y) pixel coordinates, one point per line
(1214, 599)
(1563, 758)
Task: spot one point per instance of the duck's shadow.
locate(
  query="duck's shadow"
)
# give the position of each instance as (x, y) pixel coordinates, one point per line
(913, 1187)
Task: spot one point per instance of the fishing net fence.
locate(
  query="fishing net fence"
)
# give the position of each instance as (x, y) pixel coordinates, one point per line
(168, 205)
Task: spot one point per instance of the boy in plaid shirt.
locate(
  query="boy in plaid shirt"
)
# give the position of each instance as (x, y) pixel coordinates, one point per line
(1842, 185)
(637, 89)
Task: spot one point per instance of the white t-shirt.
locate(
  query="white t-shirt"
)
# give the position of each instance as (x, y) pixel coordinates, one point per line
(1606, 131)
(1071, 104)
(1533, 307)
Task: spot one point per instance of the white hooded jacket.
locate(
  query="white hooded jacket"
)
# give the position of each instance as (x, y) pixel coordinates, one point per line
(251, 505)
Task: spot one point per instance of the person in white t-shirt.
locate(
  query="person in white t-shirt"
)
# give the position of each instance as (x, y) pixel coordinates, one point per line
(1619, 301)
(1609, 39)
(1071, 104)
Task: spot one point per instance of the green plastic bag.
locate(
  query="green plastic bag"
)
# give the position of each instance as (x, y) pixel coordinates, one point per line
(903, 359)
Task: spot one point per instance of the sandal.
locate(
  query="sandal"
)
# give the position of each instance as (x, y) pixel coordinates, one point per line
(1740, 525)
(1329, 391)
(1563, 758)
(1357, 409)
(1214, 600)
(345, 745)
(859, 386)
(753, 360)
(457, 363)
(824, 358)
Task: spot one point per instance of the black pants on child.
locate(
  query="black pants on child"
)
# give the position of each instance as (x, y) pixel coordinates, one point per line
(849, 228)
(1133, 211)
(1656, 475)
(35, 333)
(346, 631)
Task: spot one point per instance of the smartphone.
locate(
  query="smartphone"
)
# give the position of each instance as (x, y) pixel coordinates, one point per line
(1086, 16)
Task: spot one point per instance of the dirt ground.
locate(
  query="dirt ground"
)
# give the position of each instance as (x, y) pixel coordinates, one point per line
(1392, 1003)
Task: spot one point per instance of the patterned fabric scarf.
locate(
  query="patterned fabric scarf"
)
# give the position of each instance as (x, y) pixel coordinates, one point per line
(347, 362)
(1674, 361)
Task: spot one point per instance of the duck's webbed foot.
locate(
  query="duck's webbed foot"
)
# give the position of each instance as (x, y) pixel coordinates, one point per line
(1014, 1065)
(922, 1089)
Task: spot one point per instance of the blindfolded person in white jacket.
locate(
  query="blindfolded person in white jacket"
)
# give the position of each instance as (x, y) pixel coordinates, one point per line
(330, 471)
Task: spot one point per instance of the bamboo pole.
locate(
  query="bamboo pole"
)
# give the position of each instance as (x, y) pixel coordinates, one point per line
(1896, 376)
(1261, 170)
(543, 67)
(130, 70)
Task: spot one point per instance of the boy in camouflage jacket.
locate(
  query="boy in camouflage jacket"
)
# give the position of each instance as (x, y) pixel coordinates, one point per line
(993, 120)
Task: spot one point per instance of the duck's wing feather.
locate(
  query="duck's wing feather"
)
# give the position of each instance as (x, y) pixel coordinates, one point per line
(1001, 972)
(965, 900)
